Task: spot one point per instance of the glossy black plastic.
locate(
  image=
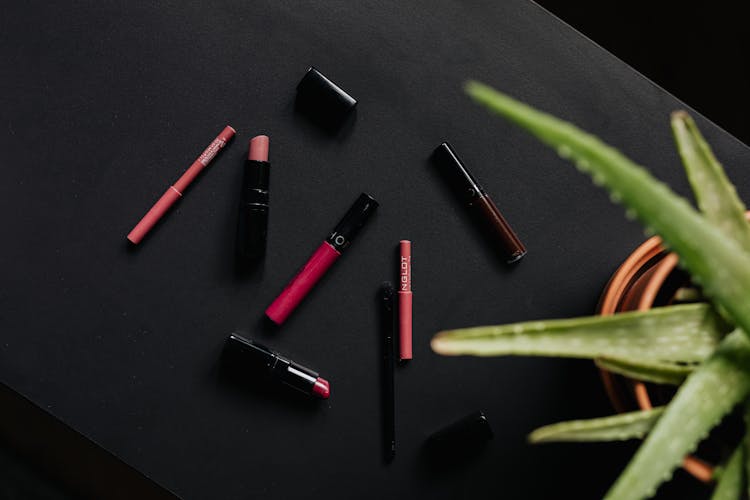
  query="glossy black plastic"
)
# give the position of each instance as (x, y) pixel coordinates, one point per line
(356, 217)
(463, 436)
(252, 219)
(458, 177)
(322, 100)
(252, 359)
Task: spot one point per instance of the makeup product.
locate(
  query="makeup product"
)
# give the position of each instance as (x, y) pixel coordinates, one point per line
(323, 101)
(404, 300)
(175, 191)
(252, 220)
(253, 359)
(479, 203)
(323, 258)
(388, 322)
(463, 437)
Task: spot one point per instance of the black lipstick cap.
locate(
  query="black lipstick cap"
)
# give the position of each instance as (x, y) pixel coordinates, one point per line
(323, 101)
(463, 436)
(243, 355)
(247, 358)
(348, 227)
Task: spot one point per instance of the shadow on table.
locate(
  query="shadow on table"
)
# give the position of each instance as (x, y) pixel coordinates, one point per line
(84, 469)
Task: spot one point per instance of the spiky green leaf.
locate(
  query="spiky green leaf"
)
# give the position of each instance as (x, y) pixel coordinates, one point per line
(716, 196)
(633, 425)
(732, 478)
(707, 395)
(683, 333)
(719, 264)
(647, 371)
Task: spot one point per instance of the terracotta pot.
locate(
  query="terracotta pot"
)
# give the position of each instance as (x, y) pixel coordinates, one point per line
(648, 277)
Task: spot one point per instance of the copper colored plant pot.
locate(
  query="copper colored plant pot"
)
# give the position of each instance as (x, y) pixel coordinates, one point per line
(647, 278)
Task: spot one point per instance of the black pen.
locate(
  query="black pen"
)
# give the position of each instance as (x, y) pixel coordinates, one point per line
(388, 326)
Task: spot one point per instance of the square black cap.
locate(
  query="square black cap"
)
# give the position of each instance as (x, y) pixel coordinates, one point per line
(461, 438)
(323, 101)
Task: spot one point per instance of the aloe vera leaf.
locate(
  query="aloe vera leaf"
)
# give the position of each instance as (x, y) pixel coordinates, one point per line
(633, 425)
(716, 196)
(730, 482)
(715, 262)
(684, 333)
(707, 395)
(647, 371)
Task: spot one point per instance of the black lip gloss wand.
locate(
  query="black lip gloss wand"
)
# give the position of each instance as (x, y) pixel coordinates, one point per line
(388, 326)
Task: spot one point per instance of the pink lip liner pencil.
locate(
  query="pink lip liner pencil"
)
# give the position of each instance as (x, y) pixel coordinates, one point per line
(175, 191)
(404, 300)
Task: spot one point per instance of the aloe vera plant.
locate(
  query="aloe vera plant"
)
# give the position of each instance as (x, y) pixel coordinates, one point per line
(702, 348)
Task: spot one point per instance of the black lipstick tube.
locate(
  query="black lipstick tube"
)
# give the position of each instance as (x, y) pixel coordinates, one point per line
(388, 326)
(473, 196)
(253, 359)
(252, 220)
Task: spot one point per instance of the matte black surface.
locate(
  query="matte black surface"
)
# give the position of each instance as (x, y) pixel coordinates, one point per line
(255, 364)
(105, 102)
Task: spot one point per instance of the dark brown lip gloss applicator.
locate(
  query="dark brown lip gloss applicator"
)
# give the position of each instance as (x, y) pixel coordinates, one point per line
(478, 201)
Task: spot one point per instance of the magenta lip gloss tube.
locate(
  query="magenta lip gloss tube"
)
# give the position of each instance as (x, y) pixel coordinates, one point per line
(327, 253)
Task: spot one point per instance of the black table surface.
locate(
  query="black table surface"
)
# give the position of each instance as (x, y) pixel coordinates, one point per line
(105, 103)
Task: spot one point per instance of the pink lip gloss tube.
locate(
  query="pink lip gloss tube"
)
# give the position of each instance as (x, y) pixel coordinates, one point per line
(175, 191)
(327, 253)
(404, 300)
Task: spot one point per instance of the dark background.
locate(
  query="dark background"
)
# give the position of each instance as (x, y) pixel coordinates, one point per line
(106, 104)
(695, 52)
